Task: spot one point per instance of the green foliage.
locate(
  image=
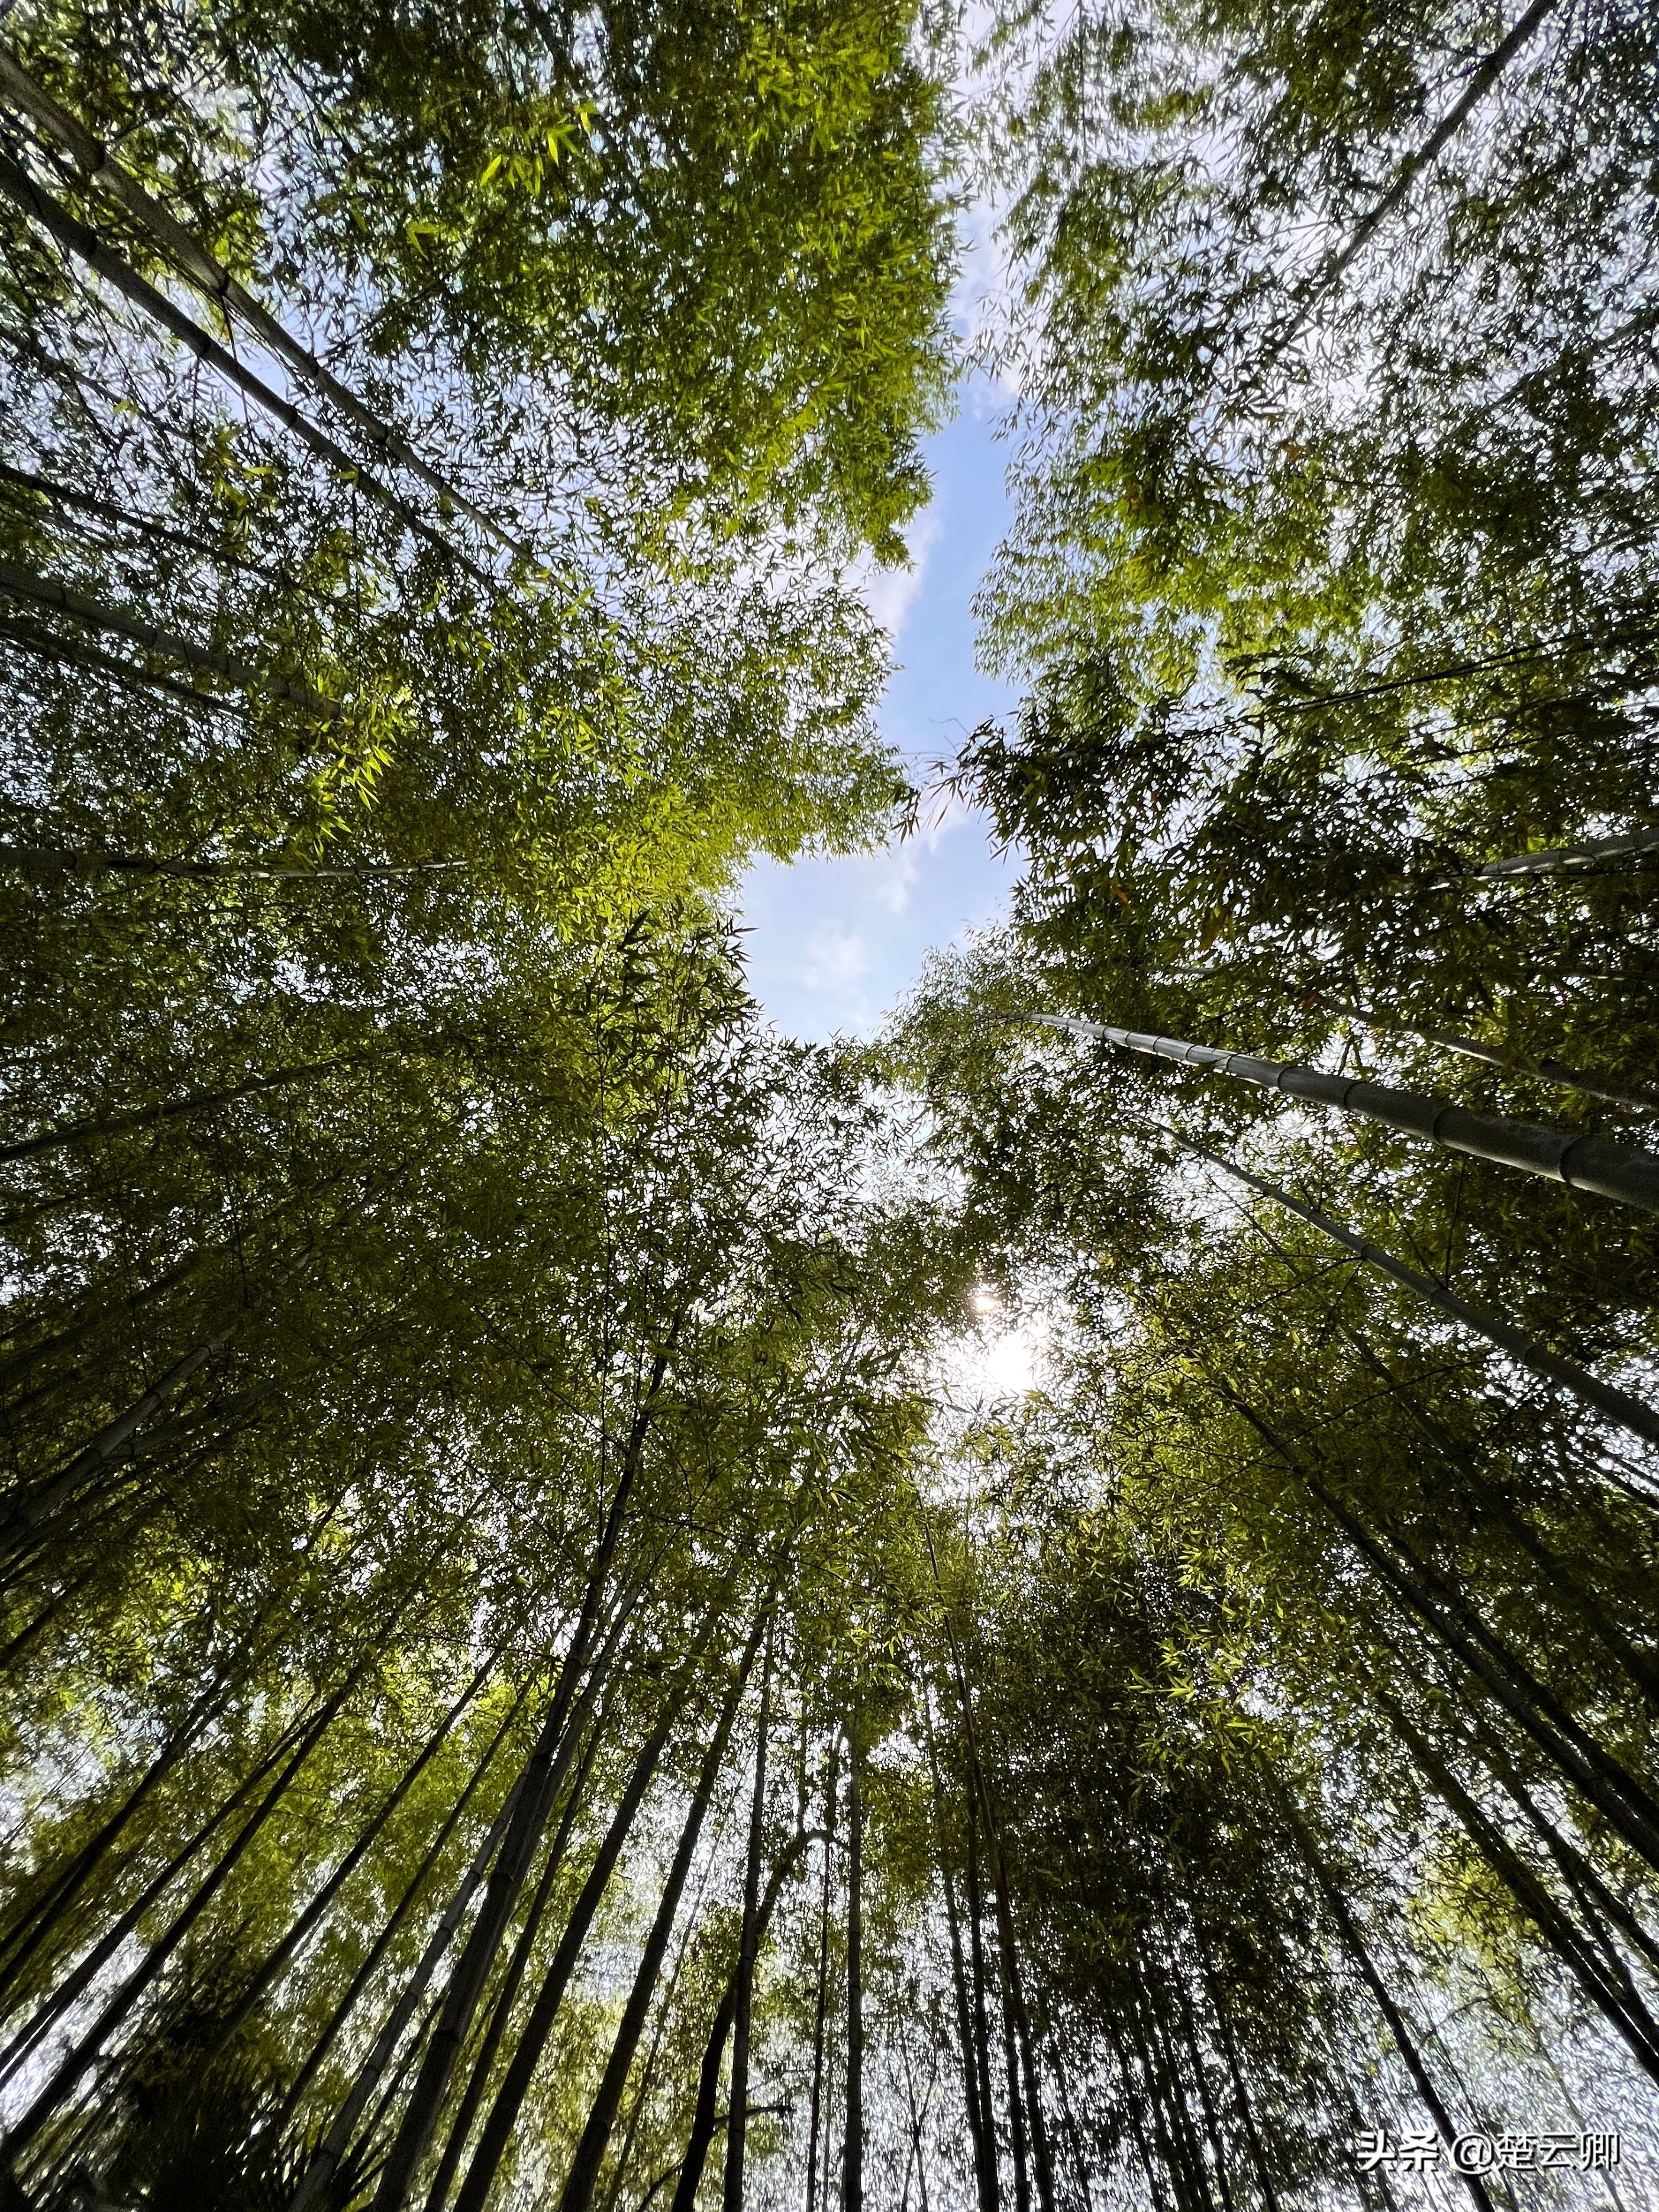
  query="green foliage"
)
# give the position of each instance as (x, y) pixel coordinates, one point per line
(716, 238)
(446, 1328)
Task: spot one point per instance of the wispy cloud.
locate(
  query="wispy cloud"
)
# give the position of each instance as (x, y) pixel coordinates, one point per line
(837, 959)
(889, 875)
(889, 593)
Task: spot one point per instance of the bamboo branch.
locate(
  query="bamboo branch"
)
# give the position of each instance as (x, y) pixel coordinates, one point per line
(1337, 264)
(145, 864)
(1510, 1063)
(75, 653)
(1552, 860)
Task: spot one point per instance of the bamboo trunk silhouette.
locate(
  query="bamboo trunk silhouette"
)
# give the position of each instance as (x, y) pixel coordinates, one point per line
(1621, 2007)
(288, 1944)
(400, 1914)
(103, 1448)
(976, 1960)
(1155, 2170)
(120, 2005)
(820, 2010)
(1615, 1404)
(200, 1101)
(1161, 2050)
(975, 1899)
(533, 2036)
(30, 1926)
(853, 2153)
(1018, 2148)
(17, 1364)
(139, 677)
(1241, 2095)
(1404, 2043)
(1592, 1893)
(705, 2117)
(548, 1764)
(1017, 2013)
(1479, 84)
(578, 2192)
(500, 2011)
(91, 862)
(1625, 1801)
(1190, 2044)
(1510, 1063)
(1609, 1786)
(736, 2126)
(27, 1510)
(68, 1988)
(330, 2154)
(45, 591)
(1192, 2191)
(84, 243)
(1558, 1577)
(979, 2124)
(1553, 861)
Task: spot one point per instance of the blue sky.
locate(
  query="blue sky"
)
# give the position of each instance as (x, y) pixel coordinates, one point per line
(835, 942)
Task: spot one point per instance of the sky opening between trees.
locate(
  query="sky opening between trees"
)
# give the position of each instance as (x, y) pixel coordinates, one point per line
(524, 1684)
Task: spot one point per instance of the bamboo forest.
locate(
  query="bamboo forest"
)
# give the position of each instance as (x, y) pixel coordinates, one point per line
(527, 1682)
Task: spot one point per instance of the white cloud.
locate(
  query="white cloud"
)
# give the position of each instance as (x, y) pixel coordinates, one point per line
(837, 959)
(982, 302)
(889, 593)
(890, 874)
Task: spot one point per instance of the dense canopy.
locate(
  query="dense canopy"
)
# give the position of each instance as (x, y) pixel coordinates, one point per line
(529, 1674)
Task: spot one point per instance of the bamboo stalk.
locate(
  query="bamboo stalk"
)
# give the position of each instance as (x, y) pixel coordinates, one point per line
(548, 1764)
(76, 653)
(78, 238)
(737, 2132)
(388, 1933)
(852, 2196)
(200, 1101)
(1336, 265)
(1626, 1803)
(816, 2114)
(578, 2193)
(1624, 2012)
(74, 2063)
(325, 2160)
(500, 2015)
(1510, 1063)
(146, 864)
(283, 1950)
(45, 592)
(1607, 1399)
(99, 167)
(532, 2041)
(985, 2178)
(1552, 860)
(1583, 1163)
(1404, 2043)
(688, 2175)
